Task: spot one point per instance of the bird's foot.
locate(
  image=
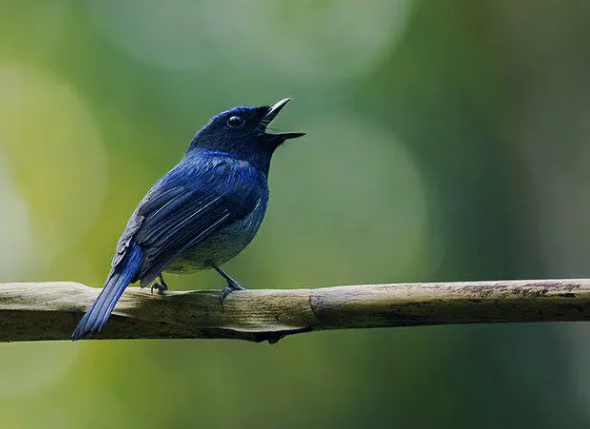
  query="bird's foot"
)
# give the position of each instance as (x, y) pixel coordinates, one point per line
(160, 285)
(231, 286)
(231, 283)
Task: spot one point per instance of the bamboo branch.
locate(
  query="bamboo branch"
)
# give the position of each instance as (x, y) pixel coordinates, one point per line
(50, 311)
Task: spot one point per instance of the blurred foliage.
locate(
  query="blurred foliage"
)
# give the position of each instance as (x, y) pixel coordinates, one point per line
(446, 141)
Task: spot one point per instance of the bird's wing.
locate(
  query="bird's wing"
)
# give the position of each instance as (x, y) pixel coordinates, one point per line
(153, 201)
(172, 219)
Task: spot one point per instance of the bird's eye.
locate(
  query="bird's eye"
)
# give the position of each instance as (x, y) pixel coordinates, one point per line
(235, 121)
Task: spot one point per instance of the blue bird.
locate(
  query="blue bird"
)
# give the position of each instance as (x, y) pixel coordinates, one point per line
(201, 214)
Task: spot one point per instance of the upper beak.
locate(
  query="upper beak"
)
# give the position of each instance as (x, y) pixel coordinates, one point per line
(272, 113)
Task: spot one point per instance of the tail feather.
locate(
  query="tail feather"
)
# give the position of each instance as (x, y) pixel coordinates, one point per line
(98, 314)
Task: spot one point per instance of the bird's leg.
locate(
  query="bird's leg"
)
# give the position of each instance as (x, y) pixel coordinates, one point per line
(160, 285)
(231, 283)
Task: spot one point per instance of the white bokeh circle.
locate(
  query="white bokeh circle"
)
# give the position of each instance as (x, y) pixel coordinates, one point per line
(300, 40)
(351, 200)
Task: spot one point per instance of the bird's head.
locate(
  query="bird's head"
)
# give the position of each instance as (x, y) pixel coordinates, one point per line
(242, 132)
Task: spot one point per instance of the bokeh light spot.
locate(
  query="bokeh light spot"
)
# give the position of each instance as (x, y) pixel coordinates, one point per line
(57, 161)
(352, 203)
(17, 250)
(26, 367)
(302, 40)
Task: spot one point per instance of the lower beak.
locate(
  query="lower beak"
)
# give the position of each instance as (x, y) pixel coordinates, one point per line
(272, 113)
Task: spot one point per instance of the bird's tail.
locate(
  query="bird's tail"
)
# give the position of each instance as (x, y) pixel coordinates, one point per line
(95, 318)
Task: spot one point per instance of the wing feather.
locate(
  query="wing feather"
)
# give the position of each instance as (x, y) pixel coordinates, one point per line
(177, 220)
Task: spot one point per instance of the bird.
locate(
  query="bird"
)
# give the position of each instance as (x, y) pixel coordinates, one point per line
(200, 214)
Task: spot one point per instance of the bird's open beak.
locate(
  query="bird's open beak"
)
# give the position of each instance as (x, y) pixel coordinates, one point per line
(272, 113)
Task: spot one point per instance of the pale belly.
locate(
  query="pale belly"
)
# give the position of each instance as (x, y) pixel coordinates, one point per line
(219, 247)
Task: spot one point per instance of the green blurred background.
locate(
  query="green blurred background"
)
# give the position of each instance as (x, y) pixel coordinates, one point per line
(446, 141)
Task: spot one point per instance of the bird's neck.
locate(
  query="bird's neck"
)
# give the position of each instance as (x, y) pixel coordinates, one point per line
(218, 153)
(261, 161)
